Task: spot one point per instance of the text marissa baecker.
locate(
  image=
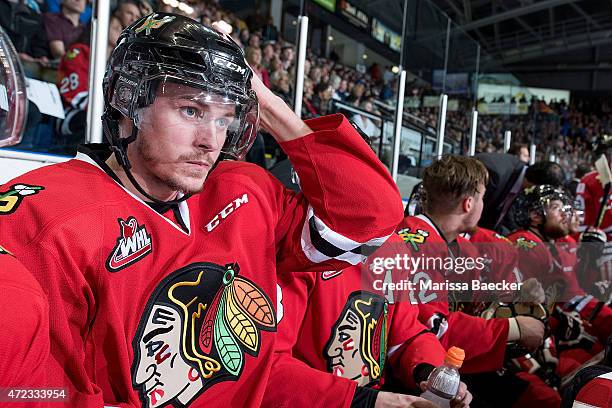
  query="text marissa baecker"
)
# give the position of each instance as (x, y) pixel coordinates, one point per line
(423, 285)
(413, 264)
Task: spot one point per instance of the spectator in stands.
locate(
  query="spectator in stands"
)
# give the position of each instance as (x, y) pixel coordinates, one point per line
(127, 12)
(22, 24)
(308, 109)
(114, 31)
(64, 28)
(145, 7)
(341, 92)
(322, 98)
(356, 93)
(521, 151)
(269, 31)
(268, 55)
(315, 74)
(54, 6)
(253, 57)
(244, 37)
(281, 85)
(255, 40)
(364, 122)
(307, 66)
(287, 57)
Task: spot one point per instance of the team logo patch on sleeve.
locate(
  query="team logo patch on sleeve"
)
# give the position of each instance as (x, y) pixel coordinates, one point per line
(357, 346)
(525, 244)
(415, 239)
(133, 244)
(194, 332)
(11, 199)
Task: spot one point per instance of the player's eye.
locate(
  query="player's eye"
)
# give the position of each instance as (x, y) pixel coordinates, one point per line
(223, 122)
(190, 111)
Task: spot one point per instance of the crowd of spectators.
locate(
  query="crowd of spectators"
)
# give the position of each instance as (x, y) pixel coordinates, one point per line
(563, 131)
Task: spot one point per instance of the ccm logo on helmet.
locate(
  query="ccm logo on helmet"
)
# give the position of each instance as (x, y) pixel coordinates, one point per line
(229, 65)
(226, 211)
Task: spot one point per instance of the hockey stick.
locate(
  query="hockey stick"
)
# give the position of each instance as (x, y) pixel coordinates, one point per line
(603, 169)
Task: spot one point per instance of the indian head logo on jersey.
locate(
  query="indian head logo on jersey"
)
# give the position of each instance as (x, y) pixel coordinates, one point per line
(194, 333)
(133, 244)
(357, 346)
(10, 200)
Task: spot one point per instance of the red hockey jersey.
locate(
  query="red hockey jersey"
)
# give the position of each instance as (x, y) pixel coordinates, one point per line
(146, 313)
(501, 255)
(24, 334)
(553, 265)
(556, 265)
(453, 328)
(332, 322)
(73, 76)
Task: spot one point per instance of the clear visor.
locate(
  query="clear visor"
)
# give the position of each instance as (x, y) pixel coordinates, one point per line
(13, 100)
(214, 120)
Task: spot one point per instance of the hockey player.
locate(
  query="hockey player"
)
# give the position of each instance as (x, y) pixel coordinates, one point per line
(454, 187)
(24, 348)
(25, 360)
(545, 213)
(590, 191)
(336, 323)
(160, 260)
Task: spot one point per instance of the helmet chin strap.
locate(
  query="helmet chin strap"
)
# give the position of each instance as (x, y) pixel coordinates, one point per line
(122, 158)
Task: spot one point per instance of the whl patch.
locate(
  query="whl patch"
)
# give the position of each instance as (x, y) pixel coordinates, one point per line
(133, 244)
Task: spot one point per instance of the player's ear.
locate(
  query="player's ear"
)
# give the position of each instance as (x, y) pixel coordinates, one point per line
(536, 218)
(467, 203)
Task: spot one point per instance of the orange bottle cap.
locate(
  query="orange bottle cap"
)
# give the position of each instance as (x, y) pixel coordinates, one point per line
(455, 356)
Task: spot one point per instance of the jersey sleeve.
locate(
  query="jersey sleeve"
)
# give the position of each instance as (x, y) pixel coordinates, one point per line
(586, 197)
(292, 383)
(484, 352)
(349, 204)
(410, 344)
(51, 257)
(25, 347)
(71, 303)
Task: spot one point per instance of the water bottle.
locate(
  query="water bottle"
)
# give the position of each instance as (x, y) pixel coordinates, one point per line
(443, 383)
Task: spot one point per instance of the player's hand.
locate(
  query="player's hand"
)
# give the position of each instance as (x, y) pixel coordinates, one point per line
(532, 292)
(392, 400)
(275, 116)
(532, 332)
(461, 400)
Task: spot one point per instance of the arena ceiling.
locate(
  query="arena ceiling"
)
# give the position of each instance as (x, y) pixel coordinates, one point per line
(570, 39)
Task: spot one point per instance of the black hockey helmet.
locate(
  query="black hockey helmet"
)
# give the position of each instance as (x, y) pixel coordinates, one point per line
(537, 198)
(164, 48)
(601, 146)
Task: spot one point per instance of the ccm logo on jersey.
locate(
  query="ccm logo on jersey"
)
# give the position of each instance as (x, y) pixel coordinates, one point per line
(133, 244)
(226, 211)
(229, 65)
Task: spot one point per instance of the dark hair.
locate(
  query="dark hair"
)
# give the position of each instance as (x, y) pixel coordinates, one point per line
(545, 172)
(515, 148)
(581, 170)
(450, 179)
(321, 87)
